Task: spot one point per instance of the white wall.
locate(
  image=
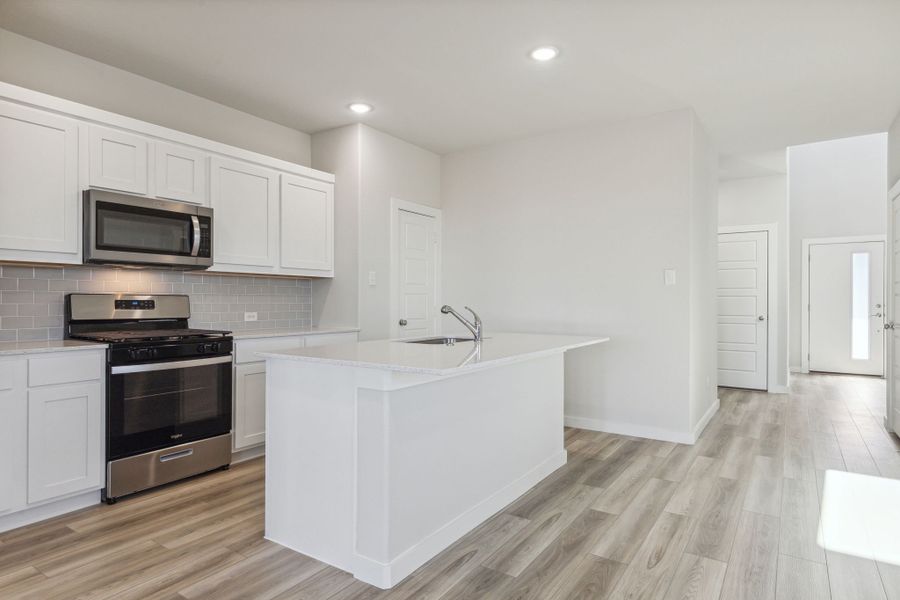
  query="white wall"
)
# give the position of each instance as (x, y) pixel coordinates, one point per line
(570, 233)
(894, 152)
(371, 167)
(336, 301)
(37, 66)
(704, 258)
(836, 188)
(391, 168)
(760, 201)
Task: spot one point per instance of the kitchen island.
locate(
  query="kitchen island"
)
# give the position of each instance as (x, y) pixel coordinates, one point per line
(381, 454)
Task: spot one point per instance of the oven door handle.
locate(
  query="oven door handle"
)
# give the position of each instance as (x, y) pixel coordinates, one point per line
(195, 248)
(166, 366)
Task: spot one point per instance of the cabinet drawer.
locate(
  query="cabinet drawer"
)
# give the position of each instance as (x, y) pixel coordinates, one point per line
(67, 367)
(331, 338)
(245, 350)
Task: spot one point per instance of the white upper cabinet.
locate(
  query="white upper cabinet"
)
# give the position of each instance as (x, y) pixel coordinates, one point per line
(307, 224)
(181, 173)
(271, 216)
(39, 195)
(245, 200)
(118, 160)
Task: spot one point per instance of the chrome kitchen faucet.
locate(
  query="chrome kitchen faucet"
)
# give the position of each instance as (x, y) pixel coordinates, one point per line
(475, 327)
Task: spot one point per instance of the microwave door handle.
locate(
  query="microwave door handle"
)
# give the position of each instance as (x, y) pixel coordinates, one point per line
(195, 249)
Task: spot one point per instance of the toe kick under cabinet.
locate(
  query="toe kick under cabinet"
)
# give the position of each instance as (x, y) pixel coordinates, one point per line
(250, 381)
(51, 427)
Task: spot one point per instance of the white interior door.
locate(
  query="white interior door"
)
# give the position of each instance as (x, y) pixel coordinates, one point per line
(416, 262)
(743, 288)
(846, 306)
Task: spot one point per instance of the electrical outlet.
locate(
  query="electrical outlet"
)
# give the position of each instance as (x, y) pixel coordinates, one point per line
(251, 316)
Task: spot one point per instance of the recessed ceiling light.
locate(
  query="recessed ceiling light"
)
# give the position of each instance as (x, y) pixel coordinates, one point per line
(360, 108)
(545, 53)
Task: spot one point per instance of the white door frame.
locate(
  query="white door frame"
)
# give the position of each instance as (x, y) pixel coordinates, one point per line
(891, 419)
(772, 274)
(804, 291)
(429, 211)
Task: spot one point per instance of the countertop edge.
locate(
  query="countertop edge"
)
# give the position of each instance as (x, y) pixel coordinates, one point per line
(441, 372)
(255, 335)
(48, 349)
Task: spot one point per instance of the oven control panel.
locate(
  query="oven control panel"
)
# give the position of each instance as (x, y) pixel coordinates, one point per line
(135, 304)
(166, 351)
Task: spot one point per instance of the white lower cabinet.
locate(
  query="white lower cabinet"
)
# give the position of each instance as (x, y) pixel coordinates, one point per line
(12, 435)
(250, 381)
(51, 429)
(249, 405)
(65, 440)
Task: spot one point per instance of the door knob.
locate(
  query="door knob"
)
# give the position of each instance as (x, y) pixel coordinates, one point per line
(402, 322)
(761, 318)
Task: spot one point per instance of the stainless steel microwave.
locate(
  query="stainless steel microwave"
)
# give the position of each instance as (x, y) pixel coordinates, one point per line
(122, 229)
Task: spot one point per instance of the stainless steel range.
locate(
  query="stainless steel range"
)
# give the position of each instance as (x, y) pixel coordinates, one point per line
(168, 388)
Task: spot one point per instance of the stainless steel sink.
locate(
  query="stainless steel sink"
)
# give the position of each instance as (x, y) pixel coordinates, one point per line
(445, 341)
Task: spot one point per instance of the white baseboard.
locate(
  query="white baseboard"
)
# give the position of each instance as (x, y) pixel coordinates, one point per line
(780, 389)
(49, 510)
(653, 433)
(705, 419)
(385, 575)
(796, 369)
(239, 456)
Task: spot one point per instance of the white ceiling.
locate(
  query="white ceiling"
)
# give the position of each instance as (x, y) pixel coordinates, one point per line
(449, 75)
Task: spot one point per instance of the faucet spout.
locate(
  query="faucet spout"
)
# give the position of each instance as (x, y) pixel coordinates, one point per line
(474, 328)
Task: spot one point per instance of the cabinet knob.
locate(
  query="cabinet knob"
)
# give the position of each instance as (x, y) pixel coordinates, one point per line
(402, 322)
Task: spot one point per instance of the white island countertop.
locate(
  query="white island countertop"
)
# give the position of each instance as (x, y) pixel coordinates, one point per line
(438, 359)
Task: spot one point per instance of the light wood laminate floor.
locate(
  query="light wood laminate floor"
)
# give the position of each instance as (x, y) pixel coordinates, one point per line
(734, 516)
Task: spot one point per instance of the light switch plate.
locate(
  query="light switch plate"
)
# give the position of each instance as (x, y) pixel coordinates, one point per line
(371, 277)
(251, 316)
(669, 275)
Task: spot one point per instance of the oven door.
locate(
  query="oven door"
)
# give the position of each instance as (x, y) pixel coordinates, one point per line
(155, 405)
(145, 231)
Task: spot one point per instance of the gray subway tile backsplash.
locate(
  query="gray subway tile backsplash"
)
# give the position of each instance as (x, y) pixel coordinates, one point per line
(31, 298)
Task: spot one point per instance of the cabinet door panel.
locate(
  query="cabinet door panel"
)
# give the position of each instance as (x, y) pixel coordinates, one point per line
(307, 224)
(249, 405)
(65, 433)
(181, 173)
(118, 160)
(38, 170)
(12, 435)
(244, 199)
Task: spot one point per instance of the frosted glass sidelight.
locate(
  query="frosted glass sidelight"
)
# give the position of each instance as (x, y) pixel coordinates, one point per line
(859, 339)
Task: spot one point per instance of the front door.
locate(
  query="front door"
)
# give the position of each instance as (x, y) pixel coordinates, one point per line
(417, 248)
(743, 289)
(846, 308)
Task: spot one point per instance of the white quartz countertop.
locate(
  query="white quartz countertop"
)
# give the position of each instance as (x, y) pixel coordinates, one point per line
(14, 348)
(397, 355)
(266, 333)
